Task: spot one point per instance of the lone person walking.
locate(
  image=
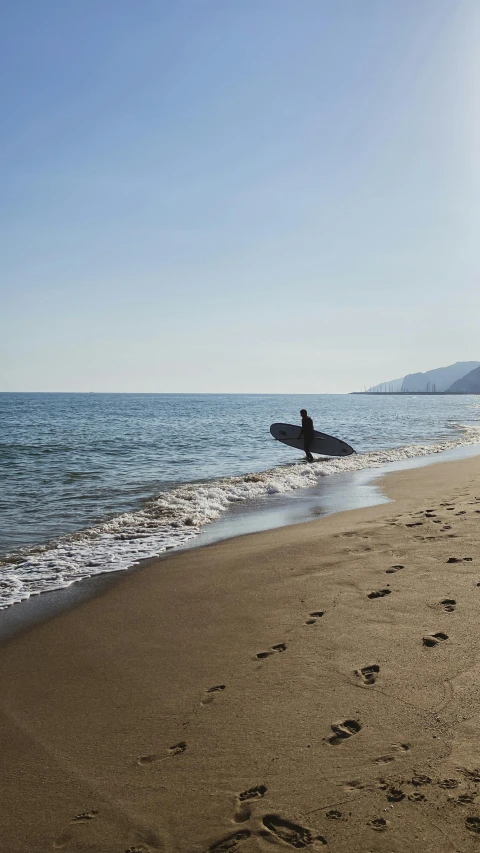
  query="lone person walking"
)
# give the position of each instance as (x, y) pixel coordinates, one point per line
(306, 433)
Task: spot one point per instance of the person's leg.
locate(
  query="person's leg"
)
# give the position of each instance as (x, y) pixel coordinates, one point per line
(306, 444)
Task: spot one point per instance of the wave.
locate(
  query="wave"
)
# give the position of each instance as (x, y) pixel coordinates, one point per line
(176, 516)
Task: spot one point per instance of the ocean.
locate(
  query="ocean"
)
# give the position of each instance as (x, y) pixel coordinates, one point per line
(91, 483)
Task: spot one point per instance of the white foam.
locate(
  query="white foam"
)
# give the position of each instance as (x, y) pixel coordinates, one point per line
(175, 517)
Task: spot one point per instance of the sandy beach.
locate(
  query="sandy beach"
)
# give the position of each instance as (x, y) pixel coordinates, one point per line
(312, 686)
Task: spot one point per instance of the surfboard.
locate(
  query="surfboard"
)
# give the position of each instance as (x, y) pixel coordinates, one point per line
(323, 444)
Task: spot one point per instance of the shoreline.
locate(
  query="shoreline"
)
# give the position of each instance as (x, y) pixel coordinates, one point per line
(307, 686)
(167, 519)
(417, 393)
(339, 493)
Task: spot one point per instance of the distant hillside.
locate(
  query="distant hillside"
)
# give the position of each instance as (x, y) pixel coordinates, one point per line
(439, 379)
(469, 384)
(393, 385)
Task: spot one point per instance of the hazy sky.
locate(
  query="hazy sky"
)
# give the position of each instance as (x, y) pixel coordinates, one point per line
(237, 195)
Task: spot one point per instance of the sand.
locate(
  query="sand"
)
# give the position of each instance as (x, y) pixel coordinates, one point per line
(313, 686)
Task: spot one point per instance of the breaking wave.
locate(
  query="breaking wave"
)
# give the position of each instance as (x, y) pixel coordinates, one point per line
(177, 516)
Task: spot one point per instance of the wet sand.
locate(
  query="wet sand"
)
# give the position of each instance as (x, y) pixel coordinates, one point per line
(311, 686)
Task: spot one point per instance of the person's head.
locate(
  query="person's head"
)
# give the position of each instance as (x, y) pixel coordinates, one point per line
(303, 413)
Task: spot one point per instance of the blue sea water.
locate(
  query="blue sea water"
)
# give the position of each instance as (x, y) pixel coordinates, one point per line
(94, 482)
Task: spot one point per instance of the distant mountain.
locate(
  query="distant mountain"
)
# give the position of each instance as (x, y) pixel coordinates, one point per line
(469, 384)
(439, 379)
(393, 385)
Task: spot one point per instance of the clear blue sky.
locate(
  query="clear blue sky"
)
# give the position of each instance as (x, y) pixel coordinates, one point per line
(237, 195)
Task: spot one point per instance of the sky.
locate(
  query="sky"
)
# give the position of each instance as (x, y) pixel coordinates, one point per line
(272, 196)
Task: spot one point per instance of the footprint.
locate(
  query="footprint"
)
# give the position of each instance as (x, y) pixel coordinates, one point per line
(231, 842)
(394, 795)
(367, 673)
(342, 731)
(255, 793)
(208, 699)
(387, 759)
(178, 748)
(174, 750)
(354, 785)
(473, 824)
(147, 759)
(295, 835)
(280, 647)
(333, 814)
(379, 593)
(448, 783)
(421, 779)
(378, 824)
(242, 814)
(84, 816)
(466, 799)
(448, 604)
(66, 837)
(417, 797)
(314, 616)
(433, 639)
(474, 775)
(393, 569)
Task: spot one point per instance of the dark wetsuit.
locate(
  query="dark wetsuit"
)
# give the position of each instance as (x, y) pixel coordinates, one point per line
(307, 433)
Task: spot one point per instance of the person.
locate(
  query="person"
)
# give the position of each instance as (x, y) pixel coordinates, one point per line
(306, 433)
